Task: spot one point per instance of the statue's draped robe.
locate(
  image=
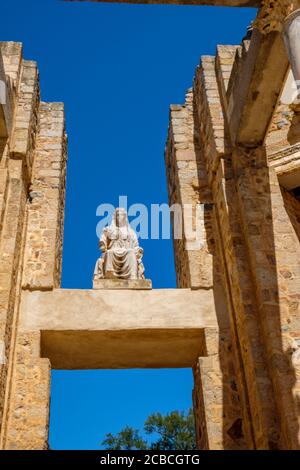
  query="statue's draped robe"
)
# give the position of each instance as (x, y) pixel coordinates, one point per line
(120, 246)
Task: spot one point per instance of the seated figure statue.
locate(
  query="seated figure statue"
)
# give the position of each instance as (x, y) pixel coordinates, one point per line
(121, 254)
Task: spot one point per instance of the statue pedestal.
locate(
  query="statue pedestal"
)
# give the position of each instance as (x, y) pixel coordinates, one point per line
(135, 284)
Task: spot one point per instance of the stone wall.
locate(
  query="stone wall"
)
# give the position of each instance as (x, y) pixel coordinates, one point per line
(239, 189)
(46, 202)
(30, 243)
(251, 247)
(195, 146)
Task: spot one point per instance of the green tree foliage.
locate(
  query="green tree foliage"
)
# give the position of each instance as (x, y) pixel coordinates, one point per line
(173, 431)
(126, 439)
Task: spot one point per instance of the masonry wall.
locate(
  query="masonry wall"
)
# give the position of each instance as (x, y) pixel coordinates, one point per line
(199, 266)
(251, 247)
(244, 201)
(292, 206)
(32, 184)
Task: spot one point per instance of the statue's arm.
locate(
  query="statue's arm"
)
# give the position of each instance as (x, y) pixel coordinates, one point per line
(137, 248)
(103, 242)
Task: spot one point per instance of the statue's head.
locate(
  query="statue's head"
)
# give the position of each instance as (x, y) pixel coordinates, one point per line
(120, 217)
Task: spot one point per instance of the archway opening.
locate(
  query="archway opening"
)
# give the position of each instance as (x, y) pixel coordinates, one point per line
(88, 404)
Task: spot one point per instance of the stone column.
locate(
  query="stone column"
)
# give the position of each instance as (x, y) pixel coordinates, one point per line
(208, 395)
(291, 34)
(273, 254)
(27, 422)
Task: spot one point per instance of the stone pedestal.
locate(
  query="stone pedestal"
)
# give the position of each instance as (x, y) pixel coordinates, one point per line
(135, 284)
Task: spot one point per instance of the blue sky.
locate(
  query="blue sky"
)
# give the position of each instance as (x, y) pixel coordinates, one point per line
(117, 68)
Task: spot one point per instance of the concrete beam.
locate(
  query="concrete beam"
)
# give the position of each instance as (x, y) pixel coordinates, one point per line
(90, 329)
(224, 3)
(253, 95)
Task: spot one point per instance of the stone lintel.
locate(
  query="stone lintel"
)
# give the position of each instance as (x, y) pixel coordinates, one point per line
(94, 329)
(290, 180)
(122, 349)
(224, 3)
(135, 284)
(287, 166)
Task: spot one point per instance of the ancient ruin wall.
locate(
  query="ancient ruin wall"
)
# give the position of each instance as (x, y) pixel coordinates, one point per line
(32, 175)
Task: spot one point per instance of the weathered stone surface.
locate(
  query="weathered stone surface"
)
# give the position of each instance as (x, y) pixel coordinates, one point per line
(30, 245)
(119, 329)
(227, 3)
(6, 104)
(118, 309)
(250, 231)
(232, 152)
(136, 284)
(252, 95)
(121, 254)
(43, 248)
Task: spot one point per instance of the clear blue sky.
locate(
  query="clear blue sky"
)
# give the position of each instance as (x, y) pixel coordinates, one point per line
(117, 68)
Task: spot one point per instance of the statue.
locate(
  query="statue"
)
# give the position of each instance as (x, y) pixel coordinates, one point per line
(121, 254)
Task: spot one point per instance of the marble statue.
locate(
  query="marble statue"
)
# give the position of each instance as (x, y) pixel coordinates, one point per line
(121, 254)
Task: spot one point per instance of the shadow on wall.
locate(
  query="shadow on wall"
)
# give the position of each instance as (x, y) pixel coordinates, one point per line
(252, 232)
(233, 433)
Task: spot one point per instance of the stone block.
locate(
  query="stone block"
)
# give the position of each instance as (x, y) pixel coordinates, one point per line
(135, 284)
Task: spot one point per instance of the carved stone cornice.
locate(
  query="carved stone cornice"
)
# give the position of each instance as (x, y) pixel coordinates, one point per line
(273, 14)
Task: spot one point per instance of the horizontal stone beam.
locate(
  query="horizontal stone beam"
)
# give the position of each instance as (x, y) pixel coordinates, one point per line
(224, 3)
(122, 349)
(253, 95)
(89, 329)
